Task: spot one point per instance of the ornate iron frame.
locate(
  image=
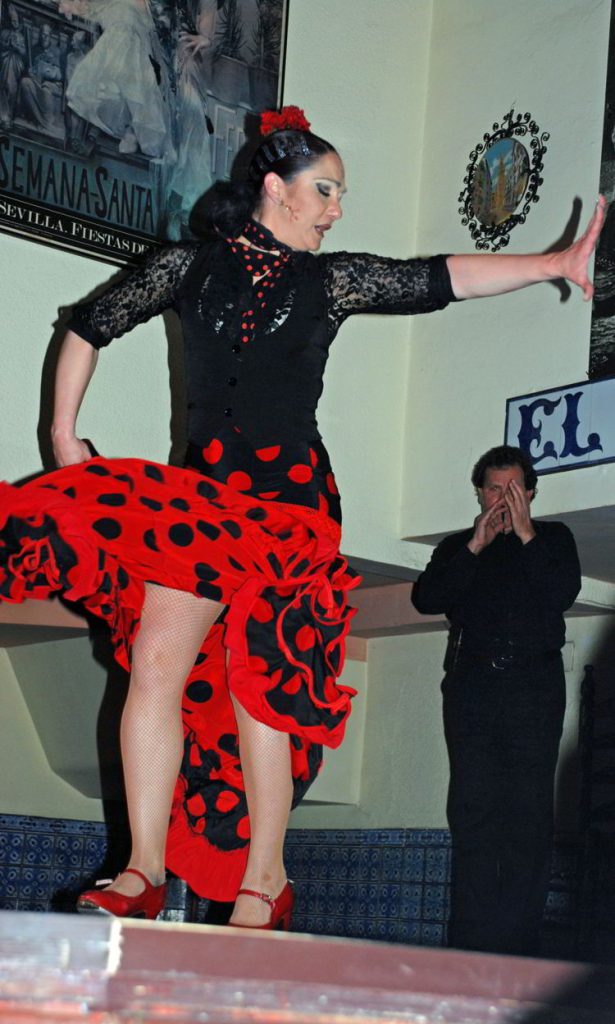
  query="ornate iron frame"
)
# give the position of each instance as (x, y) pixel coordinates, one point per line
(521, 126)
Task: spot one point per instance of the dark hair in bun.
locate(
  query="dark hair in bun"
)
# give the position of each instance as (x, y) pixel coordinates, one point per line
(227, 206)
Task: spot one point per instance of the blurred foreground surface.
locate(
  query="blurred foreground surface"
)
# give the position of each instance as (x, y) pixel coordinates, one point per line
(64, 968)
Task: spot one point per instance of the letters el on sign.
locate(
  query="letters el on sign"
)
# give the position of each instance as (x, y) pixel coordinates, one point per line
(564, 428)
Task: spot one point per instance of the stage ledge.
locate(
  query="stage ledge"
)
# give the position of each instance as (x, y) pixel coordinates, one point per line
(36, 622)
(57, 967)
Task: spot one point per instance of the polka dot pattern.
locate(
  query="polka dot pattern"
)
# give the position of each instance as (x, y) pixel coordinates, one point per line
(268, 454)
(99, 530)
(239, 481)
(213, 452)
(110, 529)
(264, 259)
(296, 474)
(300, 474)
(181, 534)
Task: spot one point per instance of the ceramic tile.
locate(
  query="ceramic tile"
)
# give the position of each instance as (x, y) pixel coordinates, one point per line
(432, 935)
(392, 861)
(413, 864)
(437, 865)
(408, 931)
(387, 884)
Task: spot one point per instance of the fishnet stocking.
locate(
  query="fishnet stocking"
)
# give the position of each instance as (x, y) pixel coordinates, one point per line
(173, 626)
(265, 760)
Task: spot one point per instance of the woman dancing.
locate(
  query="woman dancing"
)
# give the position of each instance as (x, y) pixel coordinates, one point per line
(241, 547)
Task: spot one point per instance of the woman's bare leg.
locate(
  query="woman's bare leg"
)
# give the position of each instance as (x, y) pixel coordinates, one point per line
(173, 626)
(265, 760)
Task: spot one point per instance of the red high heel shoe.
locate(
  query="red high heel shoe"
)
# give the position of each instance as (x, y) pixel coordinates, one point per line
(281, 909)
(146, 904)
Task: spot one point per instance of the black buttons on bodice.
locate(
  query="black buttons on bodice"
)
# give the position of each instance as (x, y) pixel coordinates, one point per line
(264, 259)
(259, 263)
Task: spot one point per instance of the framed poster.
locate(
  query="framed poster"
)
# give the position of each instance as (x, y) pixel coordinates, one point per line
(602, 336)
(116, 115)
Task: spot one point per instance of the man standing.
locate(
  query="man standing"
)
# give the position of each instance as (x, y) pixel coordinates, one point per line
(504, 586)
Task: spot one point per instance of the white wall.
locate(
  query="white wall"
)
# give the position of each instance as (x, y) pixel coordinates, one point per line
(360, 71)
(404, 772)
(28, 784)
(404, 779)
(405, 92)
(405, 88)
(59, 732)
(487, 55)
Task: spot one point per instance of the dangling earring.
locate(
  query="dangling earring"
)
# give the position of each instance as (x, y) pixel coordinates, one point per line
(289, 209)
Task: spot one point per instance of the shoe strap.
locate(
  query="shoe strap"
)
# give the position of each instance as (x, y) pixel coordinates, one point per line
(259, 895)
(139, 874)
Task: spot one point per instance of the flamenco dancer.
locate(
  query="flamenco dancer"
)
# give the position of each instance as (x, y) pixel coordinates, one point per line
(222, 582)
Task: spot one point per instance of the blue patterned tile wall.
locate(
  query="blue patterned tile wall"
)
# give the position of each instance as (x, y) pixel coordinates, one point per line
(389, 884)
(45, 863)
(42, 860)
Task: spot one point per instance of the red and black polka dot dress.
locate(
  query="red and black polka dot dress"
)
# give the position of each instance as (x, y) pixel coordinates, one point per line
(252, 521)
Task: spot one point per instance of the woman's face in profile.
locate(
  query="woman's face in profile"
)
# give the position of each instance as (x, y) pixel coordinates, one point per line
(314, 197)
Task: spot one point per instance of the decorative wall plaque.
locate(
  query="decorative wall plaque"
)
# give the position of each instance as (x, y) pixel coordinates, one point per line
(502, 180)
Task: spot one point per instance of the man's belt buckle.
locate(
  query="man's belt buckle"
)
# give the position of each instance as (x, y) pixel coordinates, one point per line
(502, 661)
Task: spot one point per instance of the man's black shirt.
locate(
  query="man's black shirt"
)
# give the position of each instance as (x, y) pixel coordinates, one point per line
(510, 591)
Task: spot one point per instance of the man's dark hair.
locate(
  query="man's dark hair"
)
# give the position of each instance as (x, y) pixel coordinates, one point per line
(503, 457)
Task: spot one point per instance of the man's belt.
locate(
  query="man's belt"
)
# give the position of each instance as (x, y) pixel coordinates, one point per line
(498, 653)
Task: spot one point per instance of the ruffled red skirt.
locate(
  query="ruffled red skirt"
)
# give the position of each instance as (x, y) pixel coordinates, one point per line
(98, 531)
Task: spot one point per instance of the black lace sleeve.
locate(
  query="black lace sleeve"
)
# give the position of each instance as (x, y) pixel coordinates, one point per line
(362, 283)
(147, 290)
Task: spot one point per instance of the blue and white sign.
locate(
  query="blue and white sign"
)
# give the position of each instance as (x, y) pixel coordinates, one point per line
(564, 428)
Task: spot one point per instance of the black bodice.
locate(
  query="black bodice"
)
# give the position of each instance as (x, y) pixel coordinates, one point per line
(255, 353)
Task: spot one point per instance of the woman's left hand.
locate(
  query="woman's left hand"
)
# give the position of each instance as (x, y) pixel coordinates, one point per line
(477, 275)
(571, 263)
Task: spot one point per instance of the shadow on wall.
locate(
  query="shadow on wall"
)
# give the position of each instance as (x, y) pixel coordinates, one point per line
(111, 781)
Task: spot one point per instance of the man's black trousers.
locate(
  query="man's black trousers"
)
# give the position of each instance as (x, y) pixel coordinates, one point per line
(503, 729)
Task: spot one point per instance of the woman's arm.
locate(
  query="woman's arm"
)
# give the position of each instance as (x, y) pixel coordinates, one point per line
(363, 283)
(477, 275)
(76, 364)
(147, 291)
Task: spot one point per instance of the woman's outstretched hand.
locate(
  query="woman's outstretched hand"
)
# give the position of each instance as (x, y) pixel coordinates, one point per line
(477, 275)
(572, 263)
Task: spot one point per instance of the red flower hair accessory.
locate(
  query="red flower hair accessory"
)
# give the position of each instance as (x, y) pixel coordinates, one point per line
(287, 117)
